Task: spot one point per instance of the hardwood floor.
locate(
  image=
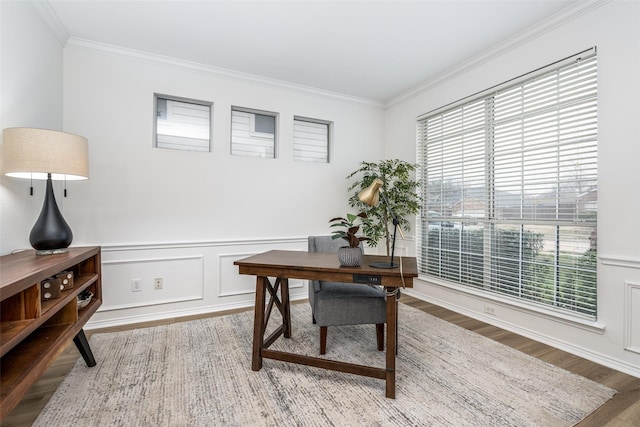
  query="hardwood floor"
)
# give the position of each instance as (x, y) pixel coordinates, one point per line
(623, 410)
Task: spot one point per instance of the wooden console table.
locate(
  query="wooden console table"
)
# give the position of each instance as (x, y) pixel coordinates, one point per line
(284, 265)
(34, 332)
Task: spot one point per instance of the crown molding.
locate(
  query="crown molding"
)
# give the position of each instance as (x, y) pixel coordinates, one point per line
(51, 18)
(151, 58)
(533, 32)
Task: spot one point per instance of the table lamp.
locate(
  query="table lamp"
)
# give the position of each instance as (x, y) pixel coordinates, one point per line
(370, 196)
(52, 155)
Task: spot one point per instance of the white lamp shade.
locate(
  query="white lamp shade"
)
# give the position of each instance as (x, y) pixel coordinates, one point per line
(34, 153)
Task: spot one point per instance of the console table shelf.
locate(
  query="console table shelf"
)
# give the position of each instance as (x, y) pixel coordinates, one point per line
(34, 332)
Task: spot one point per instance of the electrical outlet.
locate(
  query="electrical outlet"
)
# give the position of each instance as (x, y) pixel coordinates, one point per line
(490, 310)
(136, 285)
(157, 283)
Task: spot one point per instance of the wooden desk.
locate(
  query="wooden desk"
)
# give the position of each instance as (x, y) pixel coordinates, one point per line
(284, 265)
(34, 331)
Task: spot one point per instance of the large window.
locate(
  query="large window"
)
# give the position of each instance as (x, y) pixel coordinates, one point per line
(253, 133)
(510, 188)
(182, 124)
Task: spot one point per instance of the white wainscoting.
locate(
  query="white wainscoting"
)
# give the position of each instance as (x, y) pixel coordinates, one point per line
(632, 317)
(627, 269)
(182, 280)
(198, 278)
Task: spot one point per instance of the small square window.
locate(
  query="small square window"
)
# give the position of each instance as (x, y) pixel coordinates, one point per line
(311, 139)
(182, 124)
(253, 133)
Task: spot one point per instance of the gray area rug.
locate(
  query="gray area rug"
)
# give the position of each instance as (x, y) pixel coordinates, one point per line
(198, 373)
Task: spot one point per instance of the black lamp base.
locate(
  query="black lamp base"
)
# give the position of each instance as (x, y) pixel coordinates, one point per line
(50, 234)
(383, 264)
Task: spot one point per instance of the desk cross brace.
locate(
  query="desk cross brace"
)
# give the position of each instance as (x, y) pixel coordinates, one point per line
(285, 328)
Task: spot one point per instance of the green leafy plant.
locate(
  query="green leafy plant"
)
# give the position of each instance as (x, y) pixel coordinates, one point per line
(349, 229)
(400, 190)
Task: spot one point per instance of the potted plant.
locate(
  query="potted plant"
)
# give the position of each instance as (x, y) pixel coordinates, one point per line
(350, 255)
(400, 191)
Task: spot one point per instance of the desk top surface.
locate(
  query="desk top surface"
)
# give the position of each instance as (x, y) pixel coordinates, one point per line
(326, 262)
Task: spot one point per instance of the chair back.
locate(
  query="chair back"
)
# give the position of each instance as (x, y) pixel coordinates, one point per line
(326, 244)
(323, 244)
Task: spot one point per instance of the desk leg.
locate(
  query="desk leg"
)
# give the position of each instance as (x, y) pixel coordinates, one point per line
(286, 316)
(392, 323)
(258, 324)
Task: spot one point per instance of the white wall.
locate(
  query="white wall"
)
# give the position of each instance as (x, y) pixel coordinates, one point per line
(186, 216)
(30, 96)
(615, 29)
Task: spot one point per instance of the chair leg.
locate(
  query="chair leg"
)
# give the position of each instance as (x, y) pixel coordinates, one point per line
(380, 335)
(323, 339)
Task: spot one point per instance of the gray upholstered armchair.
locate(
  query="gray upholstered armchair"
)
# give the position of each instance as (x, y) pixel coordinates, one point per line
(334, 304)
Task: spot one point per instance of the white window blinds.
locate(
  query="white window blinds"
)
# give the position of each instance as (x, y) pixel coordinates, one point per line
(253, 133)
(510, 188)
(310, 140)
(182, 124)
